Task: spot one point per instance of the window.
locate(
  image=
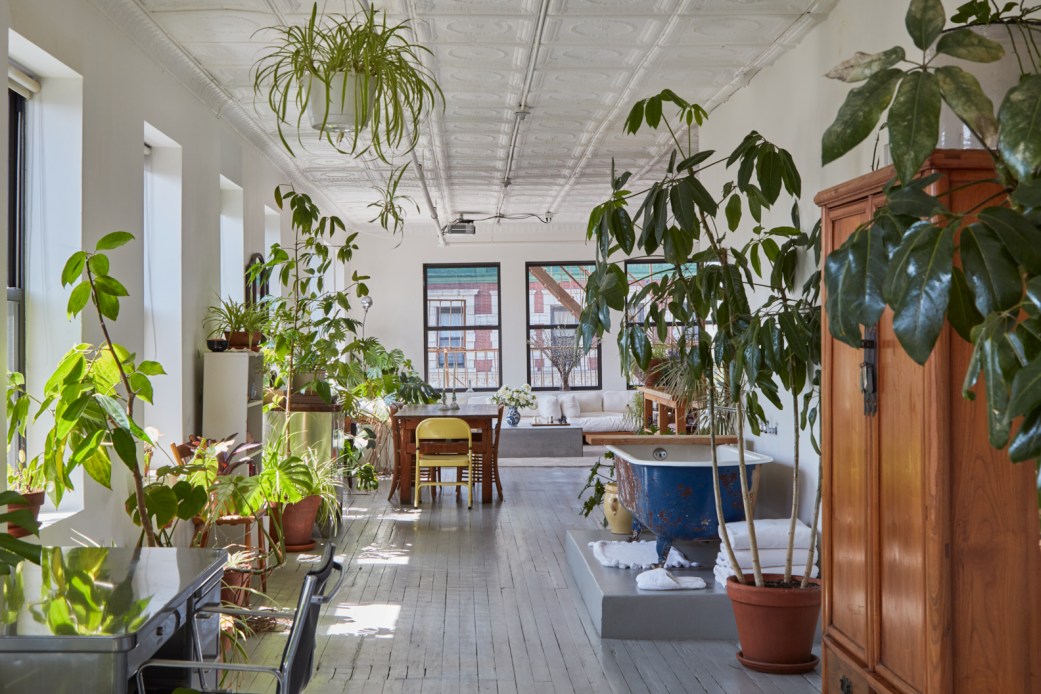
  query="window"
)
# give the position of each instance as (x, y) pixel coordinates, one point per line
(556, 293)
(461, 319)
(641, 273)
(16, 246)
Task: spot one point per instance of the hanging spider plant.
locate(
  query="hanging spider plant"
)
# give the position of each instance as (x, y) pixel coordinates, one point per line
(354, 74)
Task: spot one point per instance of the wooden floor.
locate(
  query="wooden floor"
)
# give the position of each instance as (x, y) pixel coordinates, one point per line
(442, 599)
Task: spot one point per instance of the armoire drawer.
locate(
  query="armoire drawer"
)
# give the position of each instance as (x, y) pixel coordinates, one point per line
(840, 677)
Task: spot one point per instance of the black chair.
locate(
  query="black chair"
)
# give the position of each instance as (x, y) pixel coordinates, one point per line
(295, 670)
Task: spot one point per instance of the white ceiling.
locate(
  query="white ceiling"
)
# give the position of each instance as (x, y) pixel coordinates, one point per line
(595, 58)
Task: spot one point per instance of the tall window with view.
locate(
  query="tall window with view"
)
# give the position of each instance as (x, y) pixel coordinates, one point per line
(556, 292)
(462, 323)
(640, 273)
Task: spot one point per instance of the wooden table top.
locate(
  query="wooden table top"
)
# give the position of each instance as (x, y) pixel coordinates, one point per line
(427, 411)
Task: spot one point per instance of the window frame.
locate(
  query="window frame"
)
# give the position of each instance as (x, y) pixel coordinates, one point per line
(16, 183)
(550, 326)
(463, 328)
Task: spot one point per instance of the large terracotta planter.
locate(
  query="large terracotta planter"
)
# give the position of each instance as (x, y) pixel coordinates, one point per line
(619, 519)
(776, 626)
(35, 501)
(298, 523)
(244, 340)
(234, 587)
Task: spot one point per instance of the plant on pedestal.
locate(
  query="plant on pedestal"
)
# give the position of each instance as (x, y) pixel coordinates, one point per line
(716, 265)
(927, 263)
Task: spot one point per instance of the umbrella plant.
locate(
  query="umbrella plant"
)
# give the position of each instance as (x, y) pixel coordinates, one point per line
(720, 252)
(979, 270)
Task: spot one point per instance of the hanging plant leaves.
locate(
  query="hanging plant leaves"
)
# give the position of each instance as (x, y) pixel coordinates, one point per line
(968, 45)
(863, 65)
(914, 122)
(1019, 139)
(859, 114)
(924, 21)
(1027, 443)
(962, 312)
(924, 291)
(1017, 233)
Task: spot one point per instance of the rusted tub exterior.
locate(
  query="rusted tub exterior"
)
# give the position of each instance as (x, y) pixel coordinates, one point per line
(673, 497)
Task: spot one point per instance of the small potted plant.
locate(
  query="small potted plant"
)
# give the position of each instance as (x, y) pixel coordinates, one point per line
(27, 479)
(350, 73)
(513, 399)
(242, 324)
(617, 517)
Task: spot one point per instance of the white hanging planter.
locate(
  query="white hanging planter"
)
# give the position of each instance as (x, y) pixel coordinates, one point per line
(343, 102)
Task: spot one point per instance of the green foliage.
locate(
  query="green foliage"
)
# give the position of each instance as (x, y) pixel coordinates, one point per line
(985, 280)
(15, 550)
(395, 90)
(230, 316)
(595, 482)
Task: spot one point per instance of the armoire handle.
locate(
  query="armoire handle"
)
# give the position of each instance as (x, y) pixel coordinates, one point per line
(869, 371)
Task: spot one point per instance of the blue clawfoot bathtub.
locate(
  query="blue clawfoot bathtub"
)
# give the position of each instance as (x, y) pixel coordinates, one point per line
(669, 489)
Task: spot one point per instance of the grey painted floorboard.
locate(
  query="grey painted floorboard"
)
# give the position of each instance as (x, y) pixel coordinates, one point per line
(442, 599)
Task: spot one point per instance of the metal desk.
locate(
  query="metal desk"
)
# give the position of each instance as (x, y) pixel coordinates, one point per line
(87, 617)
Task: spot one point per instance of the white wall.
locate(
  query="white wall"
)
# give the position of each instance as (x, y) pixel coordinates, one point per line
(791, 103)
(123, 88)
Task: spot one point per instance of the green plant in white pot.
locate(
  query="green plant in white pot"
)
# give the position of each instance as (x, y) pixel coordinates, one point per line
(350, 74)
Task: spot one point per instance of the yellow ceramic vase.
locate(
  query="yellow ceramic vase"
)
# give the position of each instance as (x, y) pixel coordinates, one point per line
(619, 520)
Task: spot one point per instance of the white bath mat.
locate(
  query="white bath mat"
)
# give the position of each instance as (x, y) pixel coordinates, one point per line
(635, 555)
(660, 579)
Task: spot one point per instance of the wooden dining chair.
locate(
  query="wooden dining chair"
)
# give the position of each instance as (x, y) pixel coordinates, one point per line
(443, 442)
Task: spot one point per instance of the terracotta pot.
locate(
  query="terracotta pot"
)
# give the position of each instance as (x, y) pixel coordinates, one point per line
(298, 523)
(776, 626)
(244, 340)
(233, 587)
(619, 519)
(35, 501)
(651, 374)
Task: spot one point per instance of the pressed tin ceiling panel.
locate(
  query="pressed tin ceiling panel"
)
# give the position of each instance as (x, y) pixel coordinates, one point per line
(594, 59)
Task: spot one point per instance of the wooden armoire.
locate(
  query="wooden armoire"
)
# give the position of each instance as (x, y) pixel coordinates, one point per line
(930, 556)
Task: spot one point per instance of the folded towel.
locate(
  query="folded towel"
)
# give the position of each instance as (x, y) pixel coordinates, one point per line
(635, 555)
(722, 573)
(660, 579)
(771, 557)
(770, 533)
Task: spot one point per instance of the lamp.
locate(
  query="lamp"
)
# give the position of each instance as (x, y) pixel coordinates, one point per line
(366, 304)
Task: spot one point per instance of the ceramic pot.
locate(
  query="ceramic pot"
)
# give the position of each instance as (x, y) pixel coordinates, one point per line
(619, 519)
(342, 99)
(298, 523)
(34, 502)
(233, 589)
(776, 626)
(245, 340)
(652, 373)
(512, 416)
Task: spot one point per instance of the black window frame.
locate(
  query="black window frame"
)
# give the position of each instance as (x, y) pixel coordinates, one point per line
(529, 327)
(427, 328)
(16, 182)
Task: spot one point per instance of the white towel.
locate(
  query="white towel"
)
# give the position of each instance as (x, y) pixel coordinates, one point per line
(635, 555)
(770, 533)
(660, 579)
(722, 573)
(771, 557)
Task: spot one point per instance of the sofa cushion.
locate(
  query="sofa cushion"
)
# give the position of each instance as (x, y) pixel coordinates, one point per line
(569, 406)
(599, 422)
(617, 400)
(589, 401)
(549, 406)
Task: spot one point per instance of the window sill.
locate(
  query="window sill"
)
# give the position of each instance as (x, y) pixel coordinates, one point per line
(49, 518)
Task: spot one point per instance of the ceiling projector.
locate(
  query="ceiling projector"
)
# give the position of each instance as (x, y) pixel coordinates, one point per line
(461, 226)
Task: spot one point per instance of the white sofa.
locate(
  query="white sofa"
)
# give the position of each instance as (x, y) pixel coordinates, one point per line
(596, 411)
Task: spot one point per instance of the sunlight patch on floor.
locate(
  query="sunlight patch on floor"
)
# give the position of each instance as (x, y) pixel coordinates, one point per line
(375, 621)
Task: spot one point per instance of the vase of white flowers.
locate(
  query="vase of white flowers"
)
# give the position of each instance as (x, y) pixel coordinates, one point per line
(513, 399)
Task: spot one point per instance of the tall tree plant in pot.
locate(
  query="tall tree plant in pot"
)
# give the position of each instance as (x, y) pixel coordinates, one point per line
(980, 270)
(721, 255)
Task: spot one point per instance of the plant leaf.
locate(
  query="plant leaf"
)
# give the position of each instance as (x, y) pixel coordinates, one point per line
(919, 315)
(1017, 233)
(114, 240)
(962, 92)
(73, 268)
(1019, 120)
(990, 270)
(863, 65)
(962, 312)
(859, 114)
(924, 21)
(914, 122)
(78, 298)
(1027, 443)
(968, 45)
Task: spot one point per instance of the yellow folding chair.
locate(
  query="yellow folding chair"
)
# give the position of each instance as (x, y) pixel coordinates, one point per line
(439, 444)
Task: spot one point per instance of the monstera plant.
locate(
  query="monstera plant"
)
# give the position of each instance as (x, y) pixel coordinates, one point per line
(979, 270)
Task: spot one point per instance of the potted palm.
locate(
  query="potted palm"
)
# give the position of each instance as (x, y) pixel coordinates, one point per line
(712, 286)
(352, 74)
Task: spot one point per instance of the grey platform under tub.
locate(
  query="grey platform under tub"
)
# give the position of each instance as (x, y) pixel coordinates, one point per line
(620, 611)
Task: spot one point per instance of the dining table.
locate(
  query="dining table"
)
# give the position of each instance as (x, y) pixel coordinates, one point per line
(481, 419)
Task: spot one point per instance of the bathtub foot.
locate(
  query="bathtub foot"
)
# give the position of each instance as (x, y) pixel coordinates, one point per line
(663, 546)
(636, 532)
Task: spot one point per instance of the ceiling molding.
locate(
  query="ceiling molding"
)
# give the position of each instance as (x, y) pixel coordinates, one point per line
(132, 19)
